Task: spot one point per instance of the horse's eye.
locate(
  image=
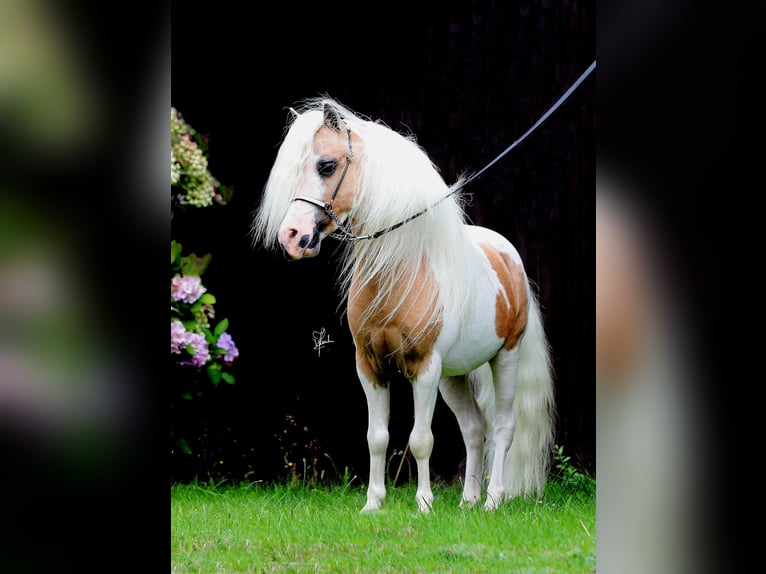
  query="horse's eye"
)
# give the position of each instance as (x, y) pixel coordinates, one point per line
(326, 167)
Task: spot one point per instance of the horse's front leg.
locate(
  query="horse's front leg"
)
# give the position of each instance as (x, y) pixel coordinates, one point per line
(424, 391)
(378, 405)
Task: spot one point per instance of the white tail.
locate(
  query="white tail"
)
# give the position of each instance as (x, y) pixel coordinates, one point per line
(528, 460)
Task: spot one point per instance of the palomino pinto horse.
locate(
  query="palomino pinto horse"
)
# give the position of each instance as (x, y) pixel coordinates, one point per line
(444, 303)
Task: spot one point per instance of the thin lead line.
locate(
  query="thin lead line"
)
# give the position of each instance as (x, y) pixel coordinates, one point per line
(348, 236)
(544, 117)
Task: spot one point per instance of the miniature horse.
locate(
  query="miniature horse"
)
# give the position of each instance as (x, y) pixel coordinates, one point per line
(445, 304)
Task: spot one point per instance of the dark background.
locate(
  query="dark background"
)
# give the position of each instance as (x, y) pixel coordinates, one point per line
(680, 111)
(467, 79)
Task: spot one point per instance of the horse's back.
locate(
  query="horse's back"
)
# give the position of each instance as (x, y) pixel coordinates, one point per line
(484, 236)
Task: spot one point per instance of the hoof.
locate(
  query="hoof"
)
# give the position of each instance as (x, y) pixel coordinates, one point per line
(371, 506)
(491, 503)
(425, 506)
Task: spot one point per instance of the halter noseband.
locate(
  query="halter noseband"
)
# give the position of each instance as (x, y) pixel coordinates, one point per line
(327, 207)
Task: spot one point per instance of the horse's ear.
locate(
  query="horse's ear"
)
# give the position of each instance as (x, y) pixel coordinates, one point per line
(332, 118)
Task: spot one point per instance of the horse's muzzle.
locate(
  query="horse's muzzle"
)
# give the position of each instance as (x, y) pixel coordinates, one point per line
(300, 246)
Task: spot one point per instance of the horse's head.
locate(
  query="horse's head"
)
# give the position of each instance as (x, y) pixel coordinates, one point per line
(333, 166)
(322, 193)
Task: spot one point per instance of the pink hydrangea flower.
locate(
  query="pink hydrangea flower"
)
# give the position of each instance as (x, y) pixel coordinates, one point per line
(179, 337)
(201, 351)
(186, 288)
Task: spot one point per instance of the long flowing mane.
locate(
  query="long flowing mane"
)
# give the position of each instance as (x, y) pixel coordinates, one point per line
(397, 180)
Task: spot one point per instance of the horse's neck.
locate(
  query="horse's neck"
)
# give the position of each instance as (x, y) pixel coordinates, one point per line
(384, 265)
(371, 270)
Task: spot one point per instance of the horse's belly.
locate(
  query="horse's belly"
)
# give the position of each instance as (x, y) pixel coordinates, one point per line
(466, 349)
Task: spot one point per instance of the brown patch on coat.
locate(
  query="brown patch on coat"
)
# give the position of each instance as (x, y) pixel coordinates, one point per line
(385, 346)
(511, 300)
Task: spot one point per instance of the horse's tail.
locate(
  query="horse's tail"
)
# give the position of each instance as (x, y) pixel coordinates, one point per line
(529, 458)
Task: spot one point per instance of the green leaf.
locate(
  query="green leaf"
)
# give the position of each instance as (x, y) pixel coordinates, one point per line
(214, 373)
(193, 264)
(187, 396)
(175, 252)
(207, 299)
(221, 327)
(228, 378)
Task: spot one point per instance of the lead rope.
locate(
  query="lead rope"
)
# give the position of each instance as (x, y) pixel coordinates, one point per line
(343, 233)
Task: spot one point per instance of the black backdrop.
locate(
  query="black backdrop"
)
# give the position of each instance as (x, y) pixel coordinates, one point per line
(467, 78)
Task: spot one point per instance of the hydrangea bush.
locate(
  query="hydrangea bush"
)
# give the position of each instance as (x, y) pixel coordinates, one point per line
(200, 345)
(194, 342)
(191, 182)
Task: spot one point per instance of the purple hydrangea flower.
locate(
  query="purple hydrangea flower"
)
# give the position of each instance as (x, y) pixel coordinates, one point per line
(226, 343)
(186, 288)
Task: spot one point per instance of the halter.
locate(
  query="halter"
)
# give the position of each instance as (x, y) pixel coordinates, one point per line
(327, 207)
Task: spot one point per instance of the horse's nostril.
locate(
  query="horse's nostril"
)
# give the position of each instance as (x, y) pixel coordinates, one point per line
(293, 233)
(304, 241)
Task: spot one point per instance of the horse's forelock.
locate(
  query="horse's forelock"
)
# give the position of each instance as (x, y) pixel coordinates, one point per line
(285, 175)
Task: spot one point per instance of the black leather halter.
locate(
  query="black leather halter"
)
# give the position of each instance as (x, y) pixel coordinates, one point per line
(327, 207)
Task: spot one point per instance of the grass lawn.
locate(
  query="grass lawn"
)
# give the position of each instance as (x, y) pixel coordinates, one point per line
(296, 528)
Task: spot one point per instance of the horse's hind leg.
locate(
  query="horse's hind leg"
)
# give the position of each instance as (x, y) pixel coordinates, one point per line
(504, 371)
(457, 393)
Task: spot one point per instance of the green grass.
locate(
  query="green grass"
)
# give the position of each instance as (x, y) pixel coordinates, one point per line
(272, 528)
